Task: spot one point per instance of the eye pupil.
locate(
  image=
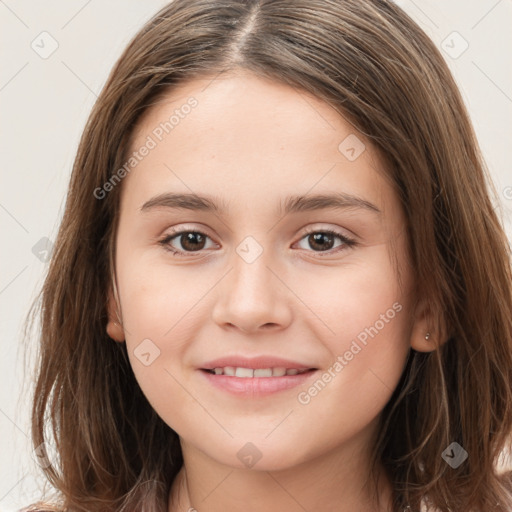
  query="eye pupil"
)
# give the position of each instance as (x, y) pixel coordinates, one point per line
(316, 239)
(196, 240)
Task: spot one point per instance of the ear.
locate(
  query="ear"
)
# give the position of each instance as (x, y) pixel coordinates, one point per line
(429, 330)
(115, 325)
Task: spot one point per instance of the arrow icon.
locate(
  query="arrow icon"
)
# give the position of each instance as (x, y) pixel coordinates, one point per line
(454, 45)
(247, 252)
(249, 454)
(451, 455)
(454, 455)
(146, 352)
(351, 147)
(44, 44)
(42, 250)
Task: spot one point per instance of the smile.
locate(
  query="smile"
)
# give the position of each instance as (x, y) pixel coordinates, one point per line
(242, 372)
(255, 383)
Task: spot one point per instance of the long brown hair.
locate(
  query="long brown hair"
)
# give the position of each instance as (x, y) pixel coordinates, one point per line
(376, 67)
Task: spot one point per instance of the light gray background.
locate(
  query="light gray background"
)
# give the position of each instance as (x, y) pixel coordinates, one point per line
(44, 106)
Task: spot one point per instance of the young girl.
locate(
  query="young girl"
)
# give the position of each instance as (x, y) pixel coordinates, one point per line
(280, 282)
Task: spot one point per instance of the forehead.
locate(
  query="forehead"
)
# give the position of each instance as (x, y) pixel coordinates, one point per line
(240, 133)
(241, 107)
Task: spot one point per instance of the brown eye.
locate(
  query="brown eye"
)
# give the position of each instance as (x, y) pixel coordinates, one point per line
(192, 241)
(324, 240)
(187, 242)
(321, 241)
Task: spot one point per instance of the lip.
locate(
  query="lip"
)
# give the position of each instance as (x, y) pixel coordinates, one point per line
(255, 387)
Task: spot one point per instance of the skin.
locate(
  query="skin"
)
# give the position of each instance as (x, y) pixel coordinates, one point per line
(251, 142)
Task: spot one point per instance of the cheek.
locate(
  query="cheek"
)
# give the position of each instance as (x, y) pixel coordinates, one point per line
(368, 363)
(360, 300)
(163, 309)
(366, 329)
(158, 331)
(349, 395)
(155, 319)
(157, 300)
(368, 353)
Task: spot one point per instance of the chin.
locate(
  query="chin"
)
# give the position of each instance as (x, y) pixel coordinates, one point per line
(259, 455)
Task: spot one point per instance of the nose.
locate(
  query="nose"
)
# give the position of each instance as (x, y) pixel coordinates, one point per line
(253, 297)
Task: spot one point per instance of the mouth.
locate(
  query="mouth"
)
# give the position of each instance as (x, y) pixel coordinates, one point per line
(256, 383)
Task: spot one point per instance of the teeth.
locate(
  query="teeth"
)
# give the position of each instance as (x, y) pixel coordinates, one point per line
(232, 371)
(263, 372)
(244, 372)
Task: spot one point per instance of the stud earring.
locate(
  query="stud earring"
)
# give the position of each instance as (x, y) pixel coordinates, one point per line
(427, 336)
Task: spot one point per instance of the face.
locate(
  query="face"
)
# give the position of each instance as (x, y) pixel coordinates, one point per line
(244, 276)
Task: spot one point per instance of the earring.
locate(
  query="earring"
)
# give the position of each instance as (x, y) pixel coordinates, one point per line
(427, 336)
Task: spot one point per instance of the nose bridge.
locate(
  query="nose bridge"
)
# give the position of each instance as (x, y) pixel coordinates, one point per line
(251, 295)
(251, 276)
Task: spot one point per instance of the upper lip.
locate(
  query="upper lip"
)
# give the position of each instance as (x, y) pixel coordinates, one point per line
(255, 363)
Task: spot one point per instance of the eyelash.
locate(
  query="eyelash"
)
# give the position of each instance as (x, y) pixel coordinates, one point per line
(347, 242)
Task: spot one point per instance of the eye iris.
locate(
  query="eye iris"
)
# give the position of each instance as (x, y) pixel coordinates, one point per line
(195, 239)
(316, 239)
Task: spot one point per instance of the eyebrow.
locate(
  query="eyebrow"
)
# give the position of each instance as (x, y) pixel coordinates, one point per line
(291, 204)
